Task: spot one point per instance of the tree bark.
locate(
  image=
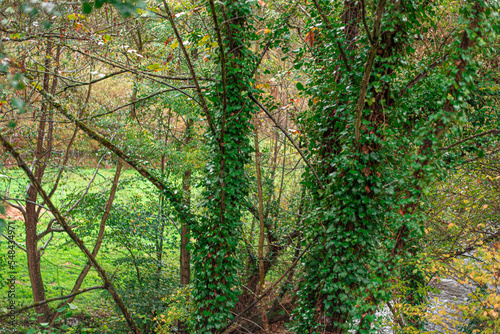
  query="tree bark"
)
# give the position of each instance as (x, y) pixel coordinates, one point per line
(262, 273)
(42, 154)
(185, 256)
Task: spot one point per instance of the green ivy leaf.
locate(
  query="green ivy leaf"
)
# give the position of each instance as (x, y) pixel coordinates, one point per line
(87, 7)
(98, 3)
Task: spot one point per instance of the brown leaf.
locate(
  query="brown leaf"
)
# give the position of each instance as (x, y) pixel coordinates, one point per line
(367, 189)
(366, 171)
(365, 149)
(310, 38)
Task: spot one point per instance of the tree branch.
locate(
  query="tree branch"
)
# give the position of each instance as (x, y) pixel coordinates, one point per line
(175, 199)
(368, 69)
(62, 221)
(289, 138)
(191, 69)
(495, 131)
(265, 293)
(79, 292)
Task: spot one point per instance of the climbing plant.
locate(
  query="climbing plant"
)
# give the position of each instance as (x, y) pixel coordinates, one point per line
(377, 114)
(218, 234)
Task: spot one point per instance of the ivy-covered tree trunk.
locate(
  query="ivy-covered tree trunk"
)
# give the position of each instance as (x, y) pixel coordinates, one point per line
(363, 135)
(216, 282)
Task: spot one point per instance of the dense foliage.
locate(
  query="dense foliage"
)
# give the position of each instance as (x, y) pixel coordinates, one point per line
(312, 166)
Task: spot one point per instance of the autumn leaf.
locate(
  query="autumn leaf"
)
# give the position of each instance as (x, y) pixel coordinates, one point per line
(310, 38)
(168, 41)
(262, 3)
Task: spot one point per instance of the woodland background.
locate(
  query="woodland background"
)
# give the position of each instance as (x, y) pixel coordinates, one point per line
(237, 166)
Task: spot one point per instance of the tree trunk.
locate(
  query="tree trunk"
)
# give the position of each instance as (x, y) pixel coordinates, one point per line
(32, 214)
(185, 256)
(262, 273)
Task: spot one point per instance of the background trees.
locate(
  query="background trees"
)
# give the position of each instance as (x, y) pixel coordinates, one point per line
(364, 114)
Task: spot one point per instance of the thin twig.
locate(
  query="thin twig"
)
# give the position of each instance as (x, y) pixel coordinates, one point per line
(289, 138)
(134, 102)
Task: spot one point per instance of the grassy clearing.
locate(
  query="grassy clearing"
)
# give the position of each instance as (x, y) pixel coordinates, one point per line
(62, 261)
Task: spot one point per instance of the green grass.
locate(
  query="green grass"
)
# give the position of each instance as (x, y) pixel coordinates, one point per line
(63, 261)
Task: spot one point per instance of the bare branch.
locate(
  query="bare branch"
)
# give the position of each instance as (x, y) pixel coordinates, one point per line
(79, 292)
(494, 132)
(289, 138)
(14, 242)
(62, 221)
(136, 101)
(191, 69)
